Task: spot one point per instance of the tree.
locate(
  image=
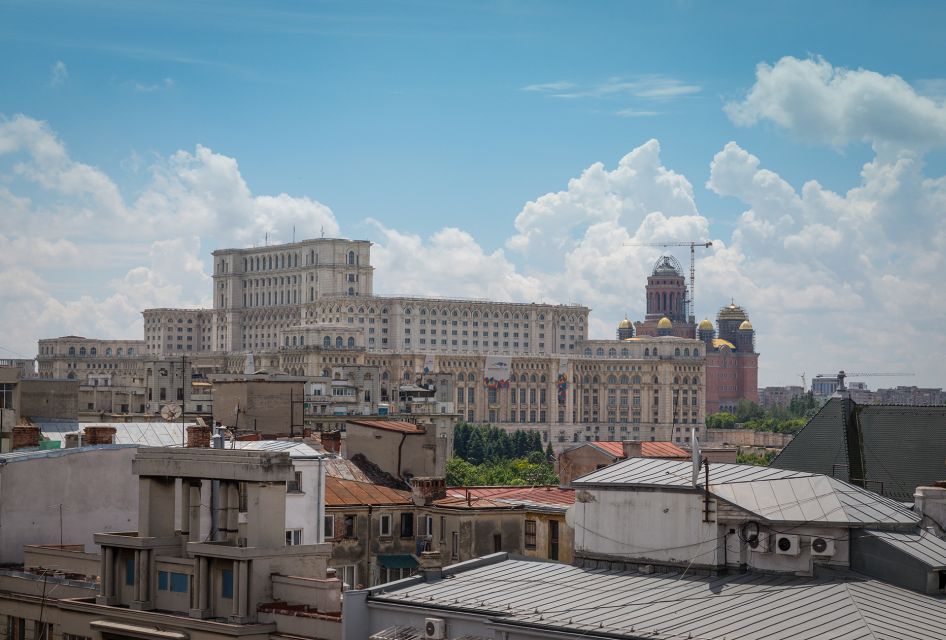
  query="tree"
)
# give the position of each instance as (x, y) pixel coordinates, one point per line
(549, 453)
(721, 420)
(461, 439)
(476, 452)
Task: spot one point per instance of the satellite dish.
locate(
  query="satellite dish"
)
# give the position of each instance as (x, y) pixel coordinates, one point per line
(171, 412)
(695, 454)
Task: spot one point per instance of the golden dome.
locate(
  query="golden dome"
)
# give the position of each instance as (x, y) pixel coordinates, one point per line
(732, 312)
(745, 326)
(665, 323)
(705, 325)
(719, 342)
(624, 324)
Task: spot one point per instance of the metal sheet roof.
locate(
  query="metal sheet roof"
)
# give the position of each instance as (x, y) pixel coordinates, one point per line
(146, 434)
(648, 449)
(776, 495)
(623, 604)
(540, 497)
(340, 492)
(410, 633)
(295, 449)
(923, 546)
(389, 425)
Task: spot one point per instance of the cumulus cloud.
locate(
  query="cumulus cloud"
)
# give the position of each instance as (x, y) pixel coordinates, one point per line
(833, 105)
(77, 256)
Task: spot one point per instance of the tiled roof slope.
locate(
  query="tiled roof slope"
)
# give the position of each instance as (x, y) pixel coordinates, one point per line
(549, 597)
(903, 447)
(545, 496)
(389, 425)
(648, 449)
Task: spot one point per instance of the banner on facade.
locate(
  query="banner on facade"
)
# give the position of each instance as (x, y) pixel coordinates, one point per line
(496, 373)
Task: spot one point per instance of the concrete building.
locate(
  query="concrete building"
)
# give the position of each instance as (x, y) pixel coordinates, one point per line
(779, 396)
(75, 358)
(403, 449)
(270, 403)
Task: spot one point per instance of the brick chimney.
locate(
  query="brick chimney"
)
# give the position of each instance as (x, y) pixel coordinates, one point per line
(632, 449)
(426, 490)
(98, 435)
(25, 436)
(332, 441)
(198, 436)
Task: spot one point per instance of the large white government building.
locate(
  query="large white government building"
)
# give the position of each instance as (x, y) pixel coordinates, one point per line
(308, 308)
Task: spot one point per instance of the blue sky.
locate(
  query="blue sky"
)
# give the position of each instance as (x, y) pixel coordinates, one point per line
(429, 126)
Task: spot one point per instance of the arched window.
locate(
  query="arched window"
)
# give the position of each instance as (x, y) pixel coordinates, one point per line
(384, 375)
(471, 378)
(326, 342)
(287, 341)
(676, 352)
(351, 257)
(676, 379)
(407, 375)
(612, 379)
(512, 378)
(686, 380)
(587, 351)
(599, 352)
(461, 377)
(586, 379)
(646, 352)
(696, 353)
(351, 291)
(93, 351)
(81, 351)
(686, 352)
(108, 351)
(696, 380)
(351, 342)
(532, 378)
(595, 380)
(654, 352)
(612, 353)
(339, 343)
(131, 351)
(301, 341)
(624, 379)
(542, 378)
(625, 353)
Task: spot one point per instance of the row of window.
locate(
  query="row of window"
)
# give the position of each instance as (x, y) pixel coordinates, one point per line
(93, 351)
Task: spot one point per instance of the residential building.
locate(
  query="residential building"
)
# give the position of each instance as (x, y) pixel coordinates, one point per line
(403, 449)
(586, 457)
(270, 403)
(770, 397)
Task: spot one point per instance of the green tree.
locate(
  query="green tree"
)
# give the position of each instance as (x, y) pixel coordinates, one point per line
(721, 420)
(549, 452)
(461, 439)
(476, 452)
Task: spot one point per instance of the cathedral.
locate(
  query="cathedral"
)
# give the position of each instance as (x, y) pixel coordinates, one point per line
(732, 364)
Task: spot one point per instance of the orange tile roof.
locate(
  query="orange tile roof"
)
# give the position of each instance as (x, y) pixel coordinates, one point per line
(389, 425)
(544, 496)
(339, 492)
(648, 449)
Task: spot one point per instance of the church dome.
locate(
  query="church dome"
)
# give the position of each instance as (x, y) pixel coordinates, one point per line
(705, 325)
(664, 323)
(667, 266)
(732, 312)
(624, 324)
(745, 326)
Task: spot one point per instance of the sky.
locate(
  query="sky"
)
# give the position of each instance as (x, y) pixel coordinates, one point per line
(501, 150)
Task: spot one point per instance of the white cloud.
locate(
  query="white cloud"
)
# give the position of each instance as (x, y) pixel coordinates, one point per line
(833, 105)
(164, 85)
(636, 113)
(559, 85)
(58, 73)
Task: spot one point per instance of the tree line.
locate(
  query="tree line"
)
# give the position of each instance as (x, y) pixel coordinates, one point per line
(751, 416)
(486, 455)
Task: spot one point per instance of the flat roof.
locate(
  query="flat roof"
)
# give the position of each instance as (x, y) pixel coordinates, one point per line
(551, 597)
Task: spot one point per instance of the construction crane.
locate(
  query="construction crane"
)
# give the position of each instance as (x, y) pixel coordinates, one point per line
(803, 385)
(691, 308)
(859, 374)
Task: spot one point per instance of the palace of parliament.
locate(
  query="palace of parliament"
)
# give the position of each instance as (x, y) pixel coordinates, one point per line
(308, 309)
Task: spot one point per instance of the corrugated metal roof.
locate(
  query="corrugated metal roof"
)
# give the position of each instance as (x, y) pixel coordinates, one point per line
(648, 449)
(388, 425)
(776, 495)
(923, 546)
(623, 604)
(543, 497)
(146, 434)
(295, 449)
(411, 633)
(33, 454)
(340, 492)
(903, 447)
(344, 469)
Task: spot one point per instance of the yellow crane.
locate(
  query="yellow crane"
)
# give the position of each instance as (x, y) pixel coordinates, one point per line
(691, 308)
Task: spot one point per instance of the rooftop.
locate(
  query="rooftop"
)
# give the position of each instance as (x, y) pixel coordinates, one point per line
(148, 434)
(541, 497)
(648, 449)
(597, 603)
(775, 495)
(339, 492)
(388, 425)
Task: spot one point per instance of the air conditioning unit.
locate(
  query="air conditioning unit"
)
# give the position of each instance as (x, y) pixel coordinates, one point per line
(761, 543)
(435, 629)
(787, 544)
(822, 546)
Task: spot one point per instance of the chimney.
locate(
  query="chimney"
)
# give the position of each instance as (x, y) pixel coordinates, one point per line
(98, 435)
(198, 436)
(425, 490)
(431, 566)
(71, 440)
(632, 449)
(25, 436)
(332, 441)
(930, 503)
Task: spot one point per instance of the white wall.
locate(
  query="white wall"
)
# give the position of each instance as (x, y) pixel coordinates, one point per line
(662, 526)
(306, 510)
(95, 486)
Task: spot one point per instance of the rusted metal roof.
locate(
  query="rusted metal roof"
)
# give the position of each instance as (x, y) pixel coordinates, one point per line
(339, 492)
(648, 449)
(544, 496)
(345, 469)
(389, 425)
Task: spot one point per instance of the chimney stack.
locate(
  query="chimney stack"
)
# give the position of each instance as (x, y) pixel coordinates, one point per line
(632, 449)
(98, 435)
(332, 441)
(198, 436)
(425, 490)
(25, 436)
